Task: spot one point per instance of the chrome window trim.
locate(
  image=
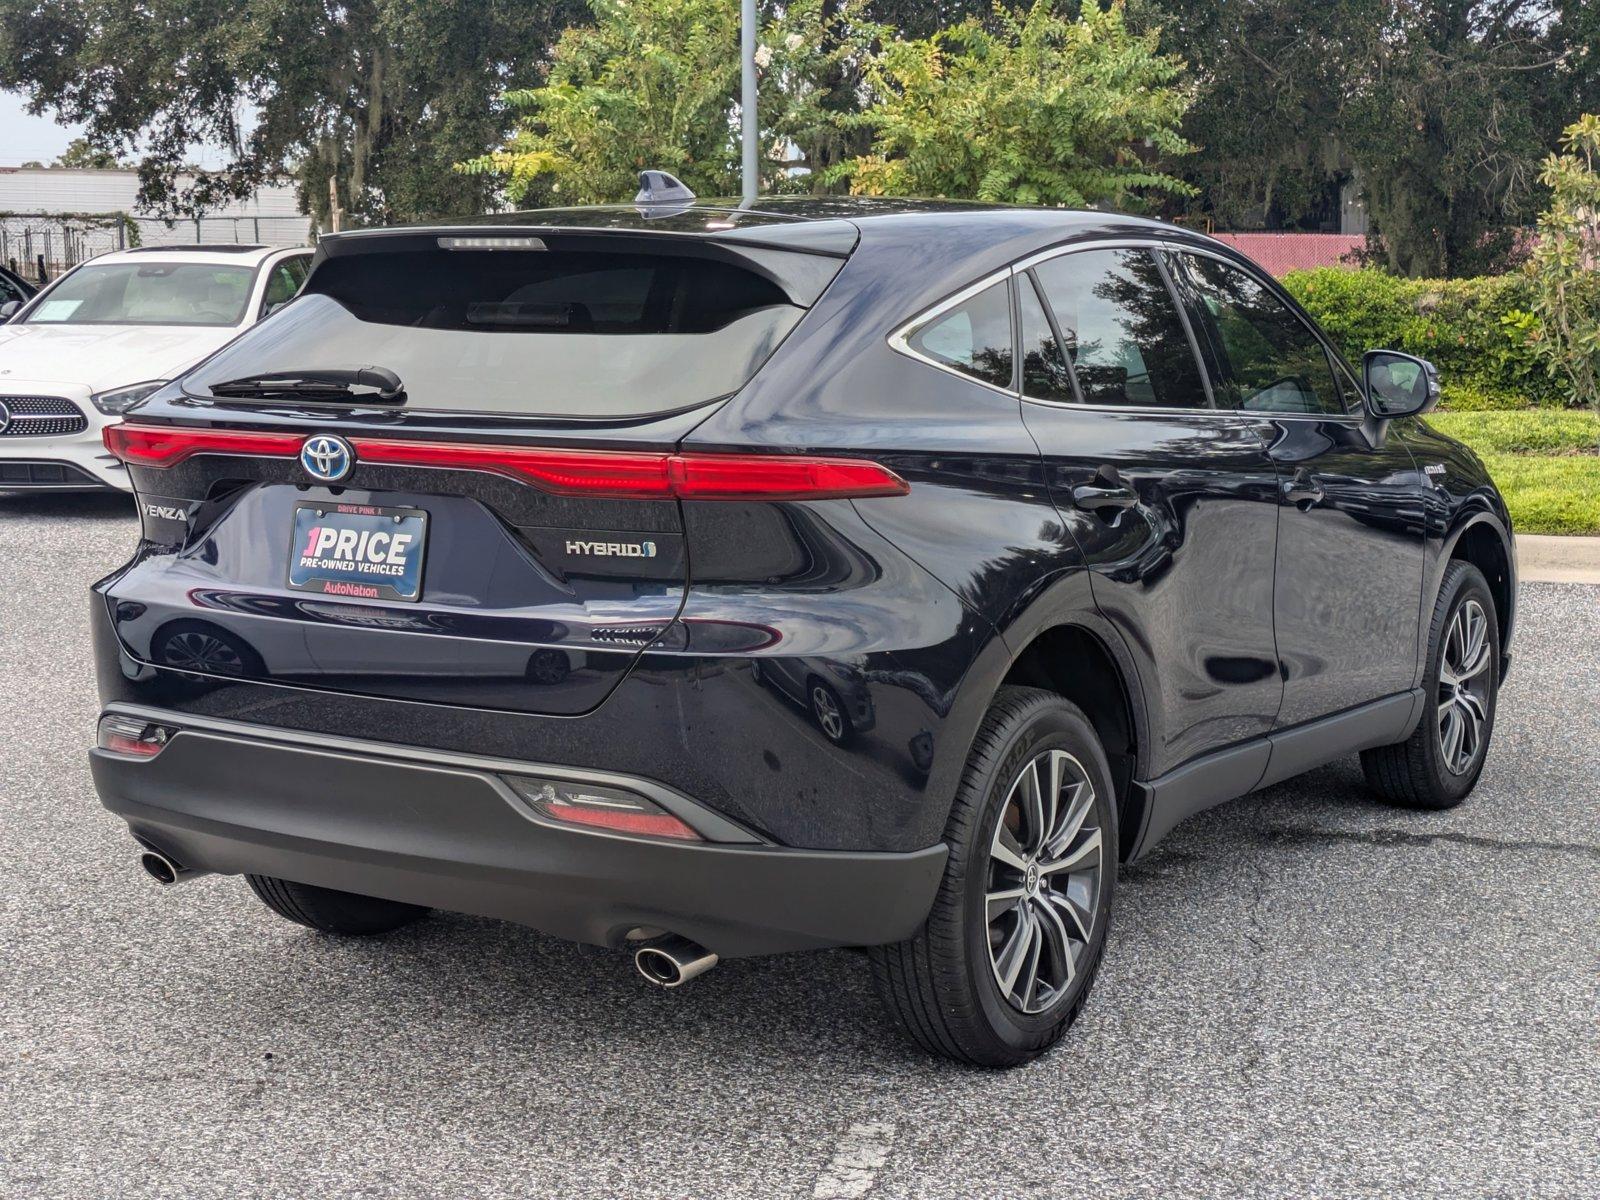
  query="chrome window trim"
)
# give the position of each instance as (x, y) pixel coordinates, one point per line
(1330, 351)
(897, 340)
(900, 343)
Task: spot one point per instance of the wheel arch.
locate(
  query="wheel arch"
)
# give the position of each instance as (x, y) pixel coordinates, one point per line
(1082, 660)
(1481, 539)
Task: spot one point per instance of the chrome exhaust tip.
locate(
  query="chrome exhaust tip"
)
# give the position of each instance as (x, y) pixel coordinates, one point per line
(670, 962)
(164, 870)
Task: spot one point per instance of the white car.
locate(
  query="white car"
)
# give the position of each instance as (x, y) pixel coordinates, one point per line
(110, 332)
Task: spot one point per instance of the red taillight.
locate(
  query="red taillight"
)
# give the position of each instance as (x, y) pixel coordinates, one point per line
(618, 474)
(615, 473)
(167, 445)
(778, 477)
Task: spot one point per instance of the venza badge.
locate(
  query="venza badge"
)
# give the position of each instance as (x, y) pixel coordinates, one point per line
(327, 458)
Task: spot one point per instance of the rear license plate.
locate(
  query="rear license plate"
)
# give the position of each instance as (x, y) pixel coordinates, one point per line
(358, 550)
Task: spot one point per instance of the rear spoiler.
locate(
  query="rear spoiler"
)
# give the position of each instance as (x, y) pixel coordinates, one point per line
(801, 257)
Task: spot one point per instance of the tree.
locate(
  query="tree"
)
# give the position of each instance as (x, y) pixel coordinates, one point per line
(1566, 261)
(1449, 128)
(1270, 78)
(80, 154)
(1039, 110)
(380, 95)
(654, 83)
(1441, 111)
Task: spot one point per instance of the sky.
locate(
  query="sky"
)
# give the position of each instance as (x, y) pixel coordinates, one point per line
(24, 138)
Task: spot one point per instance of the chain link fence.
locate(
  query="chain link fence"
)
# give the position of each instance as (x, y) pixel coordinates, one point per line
(40, 247)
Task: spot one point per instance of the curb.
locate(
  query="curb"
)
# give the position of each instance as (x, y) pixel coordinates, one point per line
(1548, 558)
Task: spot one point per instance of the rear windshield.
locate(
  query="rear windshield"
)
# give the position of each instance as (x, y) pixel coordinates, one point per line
(542, 333)
(147, 293)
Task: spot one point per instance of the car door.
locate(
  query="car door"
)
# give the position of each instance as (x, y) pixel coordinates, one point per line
(1350, 542)
(1173, 502)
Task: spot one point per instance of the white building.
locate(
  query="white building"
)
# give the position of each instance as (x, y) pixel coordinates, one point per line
(65, 215)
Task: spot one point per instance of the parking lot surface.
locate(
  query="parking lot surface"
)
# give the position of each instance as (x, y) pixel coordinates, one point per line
(1306, 993)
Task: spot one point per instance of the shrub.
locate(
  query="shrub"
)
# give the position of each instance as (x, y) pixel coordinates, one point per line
(1481, 333)
(1566, 262)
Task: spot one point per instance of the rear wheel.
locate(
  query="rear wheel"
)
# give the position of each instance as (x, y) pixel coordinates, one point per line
(1013, 942)
(328, 911)
(1439, 764)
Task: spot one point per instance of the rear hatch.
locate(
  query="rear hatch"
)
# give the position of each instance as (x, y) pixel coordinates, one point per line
(446, 472)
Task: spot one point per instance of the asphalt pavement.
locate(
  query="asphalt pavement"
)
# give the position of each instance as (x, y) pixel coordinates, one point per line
(1306, 994)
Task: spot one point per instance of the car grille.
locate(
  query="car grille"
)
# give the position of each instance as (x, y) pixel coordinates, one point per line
(15, 474)
(42, 416)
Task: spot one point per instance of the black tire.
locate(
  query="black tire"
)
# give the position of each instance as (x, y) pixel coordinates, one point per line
(328, 911)
(942, 986)
(1417, 772)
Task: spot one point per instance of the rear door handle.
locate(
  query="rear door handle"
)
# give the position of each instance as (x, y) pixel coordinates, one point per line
(1303, 491)
(1106, 492)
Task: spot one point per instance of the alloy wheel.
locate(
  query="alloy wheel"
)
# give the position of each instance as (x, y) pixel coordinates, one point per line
(1045, 868)
(826, 709)
(1464, 684)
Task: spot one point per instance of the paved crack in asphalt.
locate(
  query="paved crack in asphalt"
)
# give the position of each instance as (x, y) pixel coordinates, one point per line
(1401, 837)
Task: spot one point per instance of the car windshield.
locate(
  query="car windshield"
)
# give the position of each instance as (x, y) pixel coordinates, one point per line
(147, 293)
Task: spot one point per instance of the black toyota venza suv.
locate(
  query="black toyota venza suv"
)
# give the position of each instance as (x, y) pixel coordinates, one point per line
(715, 581)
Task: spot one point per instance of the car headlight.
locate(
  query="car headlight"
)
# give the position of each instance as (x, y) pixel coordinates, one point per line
(120, 400)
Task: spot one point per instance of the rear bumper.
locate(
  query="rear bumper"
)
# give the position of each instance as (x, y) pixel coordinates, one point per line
(446, 831)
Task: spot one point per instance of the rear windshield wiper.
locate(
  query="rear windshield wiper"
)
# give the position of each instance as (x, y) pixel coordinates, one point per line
(318, 385)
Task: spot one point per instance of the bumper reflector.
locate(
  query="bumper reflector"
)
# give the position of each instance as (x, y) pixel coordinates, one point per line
(597, 807)
(132, 736)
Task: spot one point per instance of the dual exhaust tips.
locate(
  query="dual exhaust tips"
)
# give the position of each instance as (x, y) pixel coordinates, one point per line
(667, 962)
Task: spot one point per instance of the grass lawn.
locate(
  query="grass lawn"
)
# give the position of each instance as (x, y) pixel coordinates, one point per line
(1546, 463)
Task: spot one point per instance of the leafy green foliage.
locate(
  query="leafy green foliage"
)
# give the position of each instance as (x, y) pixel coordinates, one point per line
(1479, 332)
(380, 95)
(1270, 78)
(654, 83)
(1439, 111)
(81, 155)
(1040, 109)
(1565, 265)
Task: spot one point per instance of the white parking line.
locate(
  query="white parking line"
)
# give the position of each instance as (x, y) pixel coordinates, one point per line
(857, 1159)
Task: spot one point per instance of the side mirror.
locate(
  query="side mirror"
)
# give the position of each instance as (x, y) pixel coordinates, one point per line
(1399, 385)
(9, 309)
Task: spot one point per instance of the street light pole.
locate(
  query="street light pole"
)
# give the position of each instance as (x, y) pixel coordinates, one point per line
(747, 98)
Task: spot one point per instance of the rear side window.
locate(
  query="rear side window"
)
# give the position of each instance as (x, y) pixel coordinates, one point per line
(1271, 360)
(974, 337)
(284, 282)
(555, 332)
(1124, 336)
(1044, 369)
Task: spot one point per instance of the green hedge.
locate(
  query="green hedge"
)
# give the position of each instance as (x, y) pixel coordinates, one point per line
(1478, 332)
